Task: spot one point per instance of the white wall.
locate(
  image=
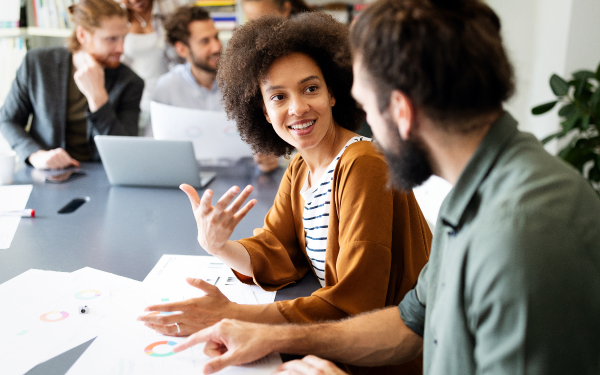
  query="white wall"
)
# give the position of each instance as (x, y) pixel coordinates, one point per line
(544, 37)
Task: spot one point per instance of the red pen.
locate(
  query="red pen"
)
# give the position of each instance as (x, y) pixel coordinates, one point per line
(23, 213)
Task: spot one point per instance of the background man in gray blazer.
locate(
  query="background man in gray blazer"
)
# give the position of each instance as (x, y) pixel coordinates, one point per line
(75, 93)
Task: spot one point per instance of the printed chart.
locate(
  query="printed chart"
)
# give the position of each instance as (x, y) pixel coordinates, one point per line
(171, 271)
(127, 347)
(49, 324)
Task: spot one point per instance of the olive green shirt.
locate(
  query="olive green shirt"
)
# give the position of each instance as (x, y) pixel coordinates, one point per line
(513, 281)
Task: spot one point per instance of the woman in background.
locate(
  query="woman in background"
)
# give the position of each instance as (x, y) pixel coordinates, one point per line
(254, 9)
(145, 48)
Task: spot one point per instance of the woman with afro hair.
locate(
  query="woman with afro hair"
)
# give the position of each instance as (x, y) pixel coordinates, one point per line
(287, 85)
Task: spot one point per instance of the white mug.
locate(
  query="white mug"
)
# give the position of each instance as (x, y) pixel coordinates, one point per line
(7, 166)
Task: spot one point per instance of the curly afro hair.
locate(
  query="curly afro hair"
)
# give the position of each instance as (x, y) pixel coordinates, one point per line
(251, 52)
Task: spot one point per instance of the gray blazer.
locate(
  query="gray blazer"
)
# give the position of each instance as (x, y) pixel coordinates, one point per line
(40, 88)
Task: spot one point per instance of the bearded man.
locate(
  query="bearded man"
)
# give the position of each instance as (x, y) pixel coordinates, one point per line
(74, 93)
(193, 85)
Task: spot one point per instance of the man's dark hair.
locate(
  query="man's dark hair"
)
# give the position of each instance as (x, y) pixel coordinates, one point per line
(445, 55)
(251, 52)
(177, 25)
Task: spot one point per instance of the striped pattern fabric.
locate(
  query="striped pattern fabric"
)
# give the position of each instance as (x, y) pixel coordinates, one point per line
(315, 218)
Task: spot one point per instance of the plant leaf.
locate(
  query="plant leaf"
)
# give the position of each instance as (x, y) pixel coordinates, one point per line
(584, 74)
(580, 88)
(567, 110)
(585, 123)
(570, 123)
(552, 136)
(578, 157)
(595, 98)
(598, 73)
(558, 85)
(543, 108)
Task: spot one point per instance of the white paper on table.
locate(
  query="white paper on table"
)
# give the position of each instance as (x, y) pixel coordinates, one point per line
(29, 291)
(214, 137)
(128, 347)
(171, 270)
(49, 322)
(12, 198)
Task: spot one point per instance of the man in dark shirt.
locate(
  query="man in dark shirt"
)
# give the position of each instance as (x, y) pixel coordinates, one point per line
(75, 93)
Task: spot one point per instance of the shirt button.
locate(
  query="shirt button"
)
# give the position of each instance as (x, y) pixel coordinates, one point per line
(435, 342)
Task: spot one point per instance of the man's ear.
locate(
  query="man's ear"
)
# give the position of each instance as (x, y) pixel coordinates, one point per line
(266, 114)
(402, 113)
(83, 36)
(182, 49)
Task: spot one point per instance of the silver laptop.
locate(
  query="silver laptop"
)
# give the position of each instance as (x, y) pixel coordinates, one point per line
(137, 161)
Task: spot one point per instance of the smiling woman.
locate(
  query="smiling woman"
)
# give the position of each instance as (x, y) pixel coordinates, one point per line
(287, 84)
(251, 53)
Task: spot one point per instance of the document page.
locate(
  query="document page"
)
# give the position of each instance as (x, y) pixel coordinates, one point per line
(171, 270)
(44, 317)
(12, 198)
(214, 137)
(127, 347)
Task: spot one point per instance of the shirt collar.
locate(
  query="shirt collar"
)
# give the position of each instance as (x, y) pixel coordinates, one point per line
(477, 169)
(190, 77)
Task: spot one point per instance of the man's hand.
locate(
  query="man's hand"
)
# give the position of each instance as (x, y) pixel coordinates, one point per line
(53, 159)
(229, 343)
(266, 163)
(190, 315)
(89, 77)
(309, 365)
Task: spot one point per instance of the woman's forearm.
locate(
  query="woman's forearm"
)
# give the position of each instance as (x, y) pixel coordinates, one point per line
(235, 255)
(266, 314)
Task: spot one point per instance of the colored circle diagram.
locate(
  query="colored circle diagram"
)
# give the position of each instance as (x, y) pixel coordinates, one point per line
(54, 316)
(88, 294)
(150, 349)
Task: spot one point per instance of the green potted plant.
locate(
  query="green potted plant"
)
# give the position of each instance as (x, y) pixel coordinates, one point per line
(579, 101)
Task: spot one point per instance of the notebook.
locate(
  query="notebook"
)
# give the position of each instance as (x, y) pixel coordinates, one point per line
(137, 161)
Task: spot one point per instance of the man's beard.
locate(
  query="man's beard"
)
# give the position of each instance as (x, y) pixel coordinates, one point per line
(407, 160)
(203, 64)
(105, 62)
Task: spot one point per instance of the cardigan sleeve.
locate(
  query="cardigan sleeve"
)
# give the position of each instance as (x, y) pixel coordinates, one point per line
(275, 253)
(358, 264)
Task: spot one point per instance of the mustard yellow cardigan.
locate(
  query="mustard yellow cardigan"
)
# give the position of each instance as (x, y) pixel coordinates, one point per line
(377, 243)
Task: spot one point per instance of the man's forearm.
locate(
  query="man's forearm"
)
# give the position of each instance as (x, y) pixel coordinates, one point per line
(373, 339)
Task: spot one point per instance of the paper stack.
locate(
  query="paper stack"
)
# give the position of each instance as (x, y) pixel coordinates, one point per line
(45, 318)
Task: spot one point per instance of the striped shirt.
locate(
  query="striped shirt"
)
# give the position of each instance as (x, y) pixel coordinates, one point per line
(317, 202)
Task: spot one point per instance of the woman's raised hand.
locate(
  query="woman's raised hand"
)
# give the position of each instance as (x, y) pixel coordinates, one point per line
(216, 223)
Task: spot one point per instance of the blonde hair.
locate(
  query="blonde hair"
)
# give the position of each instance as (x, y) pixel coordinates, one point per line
(89, 14)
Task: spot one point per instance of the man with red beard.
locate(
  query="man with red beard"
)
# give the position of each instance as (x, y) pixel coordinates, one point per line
(75, 93)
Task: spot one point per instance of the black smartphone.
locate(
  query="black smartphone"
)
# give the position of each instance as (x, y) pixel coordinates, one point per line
(64, 177)
(73, 205)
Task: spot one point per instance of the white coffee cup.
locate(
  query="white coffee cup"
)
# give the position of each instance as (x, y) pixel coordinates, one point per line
(7, 167)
